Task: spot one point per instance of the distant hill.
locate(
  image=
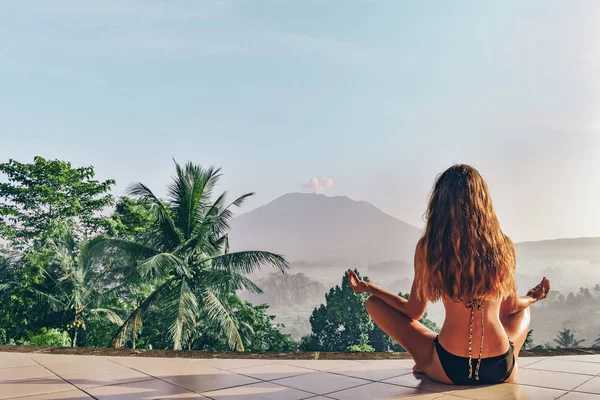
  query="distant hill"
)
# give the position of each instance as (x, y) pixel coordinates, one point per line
(577, 249)
(313, 227)
(285, 291)
(390, 270)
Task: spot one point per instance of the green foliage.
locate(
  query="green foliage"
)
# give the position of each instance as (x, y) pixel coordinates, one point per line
(131, 218)
(343, 323)
(50, 337)
(46, 192)
(361, 348)
(185, 256)
(566, 339)
(528, 340)
(75, 289)
(596, 343)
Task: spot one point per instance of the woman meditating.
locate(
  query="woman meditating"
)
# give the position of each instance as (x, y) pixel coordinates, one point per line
(465, 260)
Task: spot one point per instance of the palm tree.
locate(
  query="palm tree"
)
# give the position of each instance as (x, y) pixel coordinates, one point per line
(597, 289)
(186, 255)
(75, 287)
(596, 343)
(528, 340)
(566, 339)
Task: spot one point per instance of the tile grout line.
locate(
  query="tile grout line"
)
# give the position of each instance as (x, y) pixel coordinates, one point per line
(64, 380)
(575, 390)
(192, 391)
(100, 370)
(560, 372)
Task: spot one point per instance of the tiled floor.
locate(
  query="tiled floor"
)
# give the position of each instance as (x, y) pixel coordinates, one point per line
(43, 376)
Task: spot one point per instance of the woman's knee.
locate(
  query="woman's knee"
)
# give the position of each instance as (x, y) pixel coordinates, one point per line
(373, 305)
(517, 322)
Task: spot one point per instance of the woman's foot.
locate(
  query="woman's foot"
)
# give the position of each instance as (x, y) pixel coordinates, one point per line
(417, 370)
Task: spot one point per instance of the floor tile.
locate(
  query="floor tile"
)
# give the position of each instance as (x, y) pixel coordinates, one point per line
(76, 365)
(49, 359)
(549, 379)
(508, 391)
(200, 378)
(36, 386)
(375, 372)
(321, 382)
(398, 363)
(258, 391)
(376, 391)
(580, 396)
(321, 365)
(115, 376)
(269, 372)
(591, 386)
(585, 358)
(70, 395)
(151, 389)
(318, 398)
(577, 367)
(227, 364)
(31, 371)
(525, 361)
(422, 382)
(11, 360)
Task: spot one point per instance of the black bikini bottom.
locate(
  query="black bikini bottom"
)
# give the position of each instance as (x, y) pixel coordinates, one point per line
(492, 370)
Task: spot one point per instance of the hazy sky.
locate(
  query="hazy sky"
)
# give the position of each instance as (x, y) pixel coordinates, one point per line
(371, 98)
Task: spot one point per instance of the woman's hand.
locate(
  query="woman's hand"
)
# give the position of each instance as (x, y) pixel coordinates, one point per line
(356, 284)
(540, 291)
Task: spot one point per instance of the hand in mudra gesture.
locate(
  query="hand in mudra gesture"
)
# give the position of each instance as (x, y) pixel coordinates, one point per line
(356, 284)
(541, 290)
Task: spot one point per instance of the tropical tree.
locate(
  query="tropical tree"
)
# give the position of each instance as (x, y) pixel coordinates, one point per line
(74, 288)
(597, 289)
(566, 339)
(186, 257)
(343, 324)
(37, 195)
(528, 340)
(340, 323)
(596, 343)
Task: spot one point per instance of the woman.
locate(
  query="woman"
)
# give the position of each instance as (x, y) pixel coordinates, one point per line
(465, 260)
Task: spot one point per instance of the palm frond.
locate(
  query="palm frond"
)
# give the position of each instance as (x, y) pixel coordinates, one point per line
(226, 281)
(55, 303)
(218, 312)
(161, 265)
(182, 304)
(189, 194)
(5, 287)
(246, 262)
(169, 236)
(240, 200)
(109, 314)
(119, 336)
(105, 249)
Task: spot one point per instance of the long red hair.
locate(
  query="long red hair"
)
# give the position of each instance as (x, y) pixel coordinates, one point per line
(466, 254)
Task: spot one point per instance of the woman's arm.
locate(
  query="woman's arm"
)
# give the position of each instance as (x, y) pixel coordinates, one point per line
(412, 307)
(514, 304)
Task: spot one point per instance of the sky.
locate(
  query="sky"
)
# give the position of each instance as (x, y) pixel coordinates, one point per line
(368, 99)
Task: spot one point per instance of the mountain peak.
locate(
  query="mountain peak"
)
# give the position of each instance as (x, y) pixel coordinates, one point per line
(309, 226)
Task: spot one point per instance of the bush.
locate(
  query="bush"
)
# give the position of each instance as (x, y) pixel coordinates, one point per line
(361, 348)
(50, 337)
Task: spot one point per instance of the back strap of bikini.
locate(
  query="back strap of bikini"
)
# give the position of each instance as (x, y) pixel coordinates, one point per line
(473, 304)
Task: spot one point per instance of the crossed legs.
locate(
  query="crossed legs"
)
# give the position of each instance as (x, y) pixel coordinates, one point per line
(418, 339)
